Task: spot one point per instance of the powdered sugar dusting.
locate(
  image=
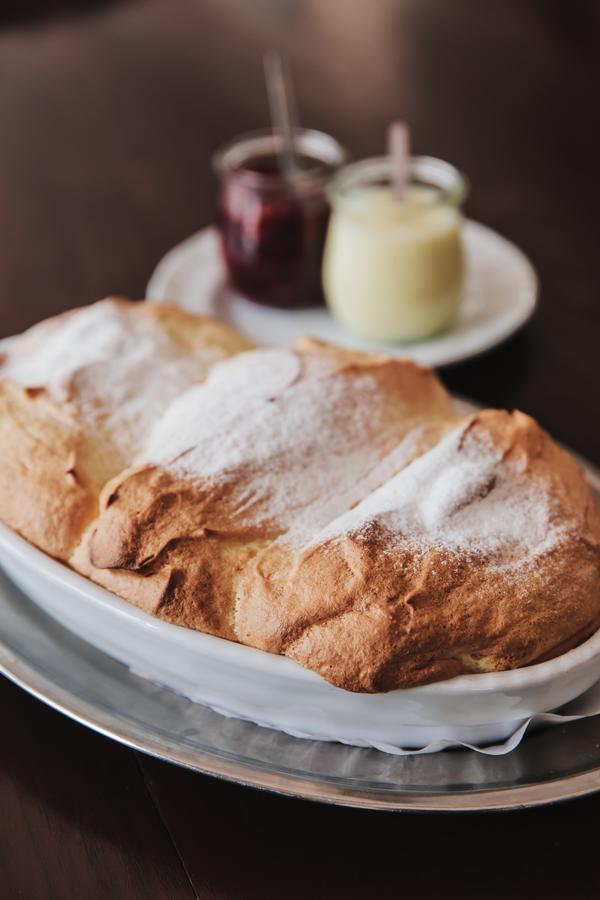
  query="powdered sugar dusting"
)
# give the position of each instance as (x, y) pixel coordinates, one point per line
(116, 369)
(295, 445)
(293, 439)
(460, 495)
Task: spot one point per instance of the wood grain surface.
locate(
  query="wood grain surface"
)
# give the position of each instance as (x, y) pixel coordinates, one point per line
(109, 118)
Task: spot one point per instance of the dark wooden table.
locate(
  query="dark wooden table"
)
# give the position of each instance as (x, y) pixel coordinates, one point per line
(107, 123)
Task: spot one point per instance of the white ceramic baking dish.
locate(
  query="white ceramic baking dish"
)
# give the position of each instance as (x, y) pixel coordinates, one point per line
(274, 691)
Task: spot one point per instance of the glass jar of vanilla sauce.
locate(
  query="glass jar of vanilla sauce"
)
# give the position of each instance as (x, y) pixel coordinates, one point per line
(393, 265)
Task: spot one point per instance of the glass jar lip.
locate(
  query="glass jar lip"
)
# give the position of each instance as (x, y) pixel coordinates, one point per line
(451, 185)
(328, 153)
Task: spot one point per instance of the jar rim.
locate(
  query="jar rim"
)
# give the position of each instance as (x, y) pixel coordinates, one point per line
(327, 152)
(451, 185)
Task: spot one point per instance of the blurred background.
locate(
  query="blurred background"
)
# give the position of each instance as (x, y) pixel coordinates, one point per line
(110, 113)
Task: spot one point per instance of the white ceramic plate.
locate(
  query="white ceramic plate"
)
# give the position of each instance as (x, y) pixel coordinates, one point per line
(500, 296)
(274, 691)
(60, 669)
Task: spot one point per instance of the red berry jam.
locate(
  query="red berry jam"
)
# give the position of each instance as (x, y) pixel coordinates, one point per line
(273, 227)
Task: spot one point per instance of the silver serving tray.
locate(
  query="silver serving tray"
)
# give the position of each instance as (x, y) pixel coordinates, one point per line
(68, 674)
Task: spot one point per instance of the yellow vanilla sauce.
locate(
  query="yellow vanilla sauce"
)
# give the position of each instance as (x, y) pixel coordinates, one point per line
(392, 269)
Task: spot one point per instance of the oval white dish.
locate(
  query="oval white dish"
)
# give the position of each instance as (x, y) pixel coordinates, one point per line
(500, 296)
(274, 691)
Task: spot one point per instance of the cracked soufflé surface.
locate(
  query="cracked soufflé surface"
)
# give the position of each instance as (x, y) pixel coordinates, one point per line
(311, 501)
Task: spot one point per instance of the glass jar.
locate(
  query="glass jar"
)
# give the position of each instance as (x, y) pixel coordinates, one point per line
(393, 267)
(273, 227)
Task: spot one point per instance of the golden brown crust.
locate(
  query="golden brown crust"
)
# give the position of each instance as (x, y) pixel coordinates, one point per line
(191, 330)
(436, 545)
(153, 521)
(371, 618)
(54, 463)
(365, 616)
(43, 493)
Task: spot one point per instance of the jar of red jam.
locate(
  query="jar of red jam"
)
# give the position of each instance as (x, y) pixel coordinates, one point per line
(272, 225)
